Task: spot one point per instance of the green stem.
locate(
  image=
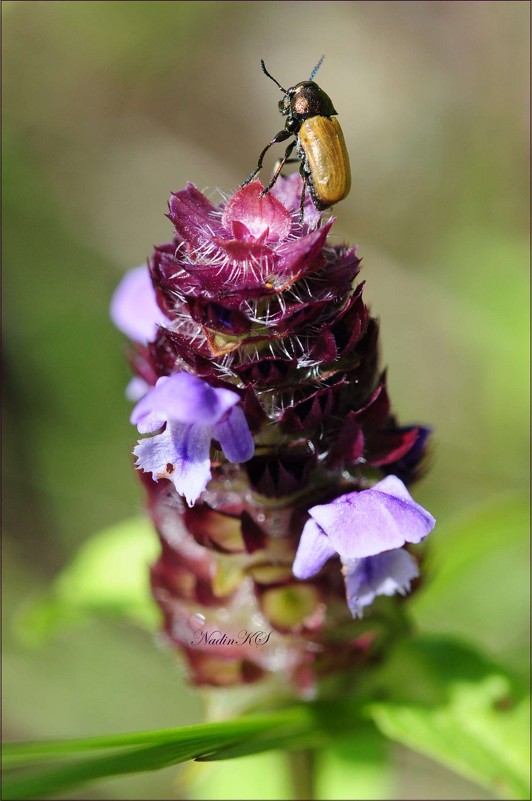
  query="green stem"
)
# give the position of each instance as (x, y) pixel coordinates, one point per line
(302, 766)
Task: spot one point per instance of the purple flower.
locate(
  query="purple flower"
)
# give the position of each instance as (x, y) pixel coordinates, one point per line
(134, 309)
(194, 414)
(253, 320)
(367, 530)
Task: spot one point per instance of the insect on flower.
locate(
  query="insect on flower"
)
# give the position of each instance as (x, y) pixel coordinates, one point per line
(319, 143)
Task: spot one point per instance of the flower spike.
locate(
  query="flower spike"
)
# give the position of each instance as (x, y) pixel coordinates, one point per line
(274, 467)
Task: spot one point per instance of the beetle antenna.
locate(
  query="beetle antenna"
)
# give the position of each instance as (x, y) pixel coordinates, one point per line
(316, 68)
(265, 71)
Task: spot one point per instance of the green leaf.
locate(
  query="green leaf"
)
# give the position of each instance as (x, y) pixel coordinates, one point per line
(109, 575)
(269, 741)
(296, 727)
(456, 706)
(437, 696)
(140, 751)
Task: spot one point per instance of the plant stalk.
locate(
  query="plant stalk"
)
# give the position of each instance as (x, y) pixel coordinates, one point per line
(302, 766)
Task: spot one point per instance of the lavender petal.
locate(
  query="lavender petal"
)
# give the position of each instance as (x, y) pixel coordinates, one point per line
(383, 574)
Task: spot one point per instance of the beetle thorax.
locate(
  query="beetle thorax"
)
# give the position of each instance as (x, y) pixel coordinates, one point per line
(308, 100)
(301, 104)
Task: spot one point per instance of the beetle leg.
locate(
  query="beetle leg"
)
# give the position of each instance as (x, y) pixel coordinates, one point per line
(286, 161)
(280, 137)
(302, 204)
(280, 166)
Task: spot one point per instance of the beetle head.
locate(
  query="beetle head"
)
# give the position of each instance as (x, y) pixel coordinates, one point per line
(304, 99)
(285, 105)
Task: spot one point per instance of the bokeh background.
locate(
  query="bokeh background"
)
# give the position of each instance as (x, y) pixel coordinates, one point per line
(107, 108)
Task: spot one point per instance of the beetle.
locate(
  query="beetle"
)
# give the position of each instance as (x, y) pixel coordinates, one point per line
(319, 143)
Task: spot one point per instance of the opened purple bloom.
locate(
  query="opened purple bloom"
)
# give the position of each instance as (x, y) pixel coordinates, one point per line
(194, 414)
(134, 309)
(366, 529)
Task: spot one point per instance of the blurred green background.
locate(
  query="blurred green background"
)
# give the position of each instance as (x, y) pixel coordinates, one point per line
(107, 108)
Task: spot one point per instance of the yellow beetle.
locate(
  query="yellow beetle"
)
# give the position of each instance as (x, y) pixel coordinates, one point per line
(319, 139)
